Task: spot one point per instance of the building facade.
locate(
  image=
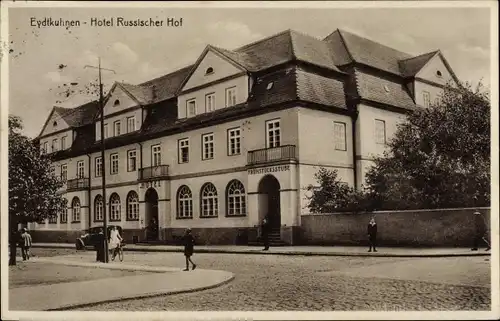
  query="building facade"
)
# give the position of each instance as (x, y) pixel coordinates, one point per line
(219, 144)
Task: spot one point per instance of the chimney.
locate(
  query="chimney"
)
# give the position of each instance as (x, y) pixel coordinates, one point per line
(153, 89)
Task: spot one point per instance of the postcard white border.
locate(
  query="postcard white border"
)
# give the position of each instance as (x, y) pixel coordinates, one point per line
(357, 315)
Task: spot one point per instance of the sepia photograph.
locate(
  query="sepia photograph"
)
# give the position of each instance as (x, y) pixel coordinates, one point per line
(249, 160)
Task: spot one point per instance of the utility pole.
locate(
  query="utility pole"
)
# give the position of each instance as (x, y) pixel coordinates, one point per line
(103, 166)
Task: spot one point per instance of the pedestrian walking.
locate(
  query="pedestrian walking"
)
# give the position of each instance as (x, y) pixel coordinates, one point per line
(480, 232)
(26, 243)
(372, 235)
(188, 248)
(265, 233)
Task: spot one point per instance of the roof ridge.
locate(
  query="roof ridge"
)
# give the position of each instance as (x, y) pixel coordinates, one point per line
(261, 40)
(421, 55)
(372, 40)
(165, 76)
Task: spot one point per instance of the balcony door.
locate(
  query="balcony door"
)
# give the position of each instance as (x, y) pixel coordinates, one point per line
(152, 225)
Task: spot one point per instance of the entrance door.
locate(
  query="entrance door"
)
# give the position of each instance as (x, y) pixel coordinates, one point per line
(269, 189)
(152, 225)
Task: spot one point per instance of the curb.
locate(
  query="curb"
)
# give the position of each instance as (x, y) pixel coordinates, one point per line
(290, 253)
(143, 296)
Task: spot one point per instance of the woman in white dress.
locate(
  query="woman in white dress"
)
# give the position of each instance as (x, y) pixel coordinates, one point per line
(114, 241)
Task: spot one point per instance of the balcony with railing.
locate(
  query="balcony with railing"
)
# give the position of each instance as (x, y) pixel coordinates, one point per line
(77, 184)
(269, 155)
(153, 172)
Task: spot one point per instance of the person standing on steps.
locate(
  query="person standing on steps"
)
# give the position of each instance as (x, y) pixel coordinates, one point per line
(188, 248)
(265, 232)
(479, 232)
(372, 235)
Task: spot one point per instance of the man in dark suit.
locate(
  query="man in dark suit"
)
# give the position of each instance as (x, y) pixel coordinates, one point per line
(372, 235)
(100, 255)
(479, 232)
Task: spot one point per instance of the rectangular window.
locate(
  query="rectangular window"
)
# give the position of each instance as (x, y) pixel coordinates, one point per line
(339, 136)
(54, 145)
(106, 134)
(114, 164)
(427, 99)
(380, 137)
(230, 96)
(208, 146)
(156, 155)
(117, 128)
(64, 172)
(80, 169)
(63, 143)
(273, 133)
(191, 108)
(209, 103)
(131, 160)
(98, 166)
(184, 150)
(53, 218)
(131, 124)
(234, 141)
(45, 147)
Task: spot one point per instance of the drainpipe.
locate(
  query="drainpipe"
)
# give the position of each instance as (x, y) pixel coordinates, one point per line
(89, 192)
(354, 117)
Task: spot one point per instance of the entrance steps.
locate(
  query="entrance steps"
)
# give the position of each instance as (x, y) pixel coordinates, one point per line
(274, 240)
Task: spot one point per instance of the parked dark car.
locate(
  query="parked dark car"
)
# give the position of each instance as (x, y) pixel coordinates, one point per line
(89, 239)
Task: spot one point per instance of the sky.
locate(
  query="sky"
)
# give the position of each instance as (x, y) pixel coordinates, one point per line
(138, 54)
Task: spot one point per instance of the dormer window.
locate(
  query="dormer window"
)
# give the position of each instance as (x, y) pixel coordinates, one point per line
(439, 74)
(209, 71)
(54, 123)
(116, 103)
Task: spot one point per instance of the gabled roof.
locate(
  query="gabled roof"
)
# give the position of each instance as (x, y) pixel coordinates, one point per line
(353, 48)
(411, 66)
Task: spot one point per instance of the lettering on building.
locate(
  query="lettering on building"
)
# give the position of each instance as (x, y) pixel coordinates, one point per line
(150, 184)
(272, 169)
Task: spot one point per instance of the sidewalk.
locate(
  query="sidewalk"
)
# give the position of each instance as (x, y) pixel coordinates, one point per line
(165, 281)
(298, 250)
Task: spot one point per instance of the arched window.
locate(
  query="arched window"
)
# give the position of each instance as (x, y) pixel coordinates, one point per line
(184, 202)
(114, 208)
(132, 206)
(235, 202)
(54, 123)
(76, 209)
(98, 209)
(209, 201)
(209, 70)
(116, 103)
(64, 213)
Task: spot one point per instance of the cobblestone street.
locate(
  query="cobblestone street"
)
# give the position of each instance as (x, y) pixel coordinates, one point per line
(268, 282)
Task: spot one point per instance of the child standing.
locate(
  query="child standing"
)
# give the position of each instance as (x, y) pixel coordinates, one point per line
(188, 248)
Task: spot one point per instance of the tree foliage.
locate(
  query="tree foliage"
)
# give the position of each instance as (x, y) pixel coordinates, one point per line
(330, 194)
(33, 185)
(439, 157)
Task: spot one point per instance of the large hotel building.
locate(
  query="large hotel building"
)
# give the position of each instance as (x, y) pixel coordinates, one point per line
(217, 145)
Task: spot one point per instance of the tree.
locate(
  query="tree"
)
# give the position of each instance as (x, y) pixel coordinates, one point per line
(33, 185)
(332, 195)
(439, 157)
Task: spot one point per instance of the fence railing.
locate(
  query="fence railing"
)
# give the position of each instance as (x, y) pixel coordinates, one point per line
(153, 172)
(77, 184)
(265, 155)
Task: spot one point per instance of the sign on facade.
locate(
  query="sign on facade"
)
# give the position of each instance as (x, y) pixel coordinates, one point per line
(150, 184)
(272, 169)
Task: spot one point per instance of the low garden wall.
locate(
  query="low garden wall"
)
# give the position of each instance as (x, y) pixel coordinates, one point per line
(443, 227)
